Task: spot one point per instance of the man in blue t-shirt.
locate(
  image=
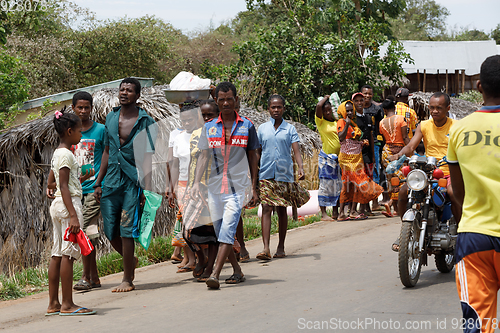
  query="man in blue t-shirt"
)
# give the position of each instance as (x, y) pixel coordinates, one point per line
(88, 153)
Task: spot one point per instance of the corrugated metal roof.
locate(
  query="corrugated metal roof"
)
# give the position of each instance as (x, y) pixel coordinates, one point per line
(451, 56)
(67, 95)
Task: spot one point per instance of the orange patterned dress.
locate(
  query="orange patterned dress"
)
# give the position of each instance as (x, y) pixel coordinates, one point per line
(356, 185)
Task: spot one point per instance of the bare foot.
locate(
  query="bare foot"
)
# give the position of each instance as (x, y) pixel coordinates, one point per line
(326, 218)
(136, 263)
(54, 308)
(124, 287)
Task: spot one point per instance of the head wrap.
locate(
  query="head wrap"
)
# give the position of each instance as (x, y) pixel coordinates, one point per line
(343, 115)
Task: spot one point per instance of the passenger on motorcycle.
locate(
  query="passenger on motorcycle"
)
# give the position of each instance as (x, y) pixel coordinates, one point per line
(434, 133)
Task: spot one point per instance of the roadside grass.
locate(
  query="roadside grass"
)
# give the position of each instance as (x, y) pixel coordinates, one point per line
(33, 280)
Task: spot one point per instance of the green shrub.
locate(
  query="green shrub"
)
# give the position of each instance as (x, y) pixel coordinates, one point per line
(472, 96)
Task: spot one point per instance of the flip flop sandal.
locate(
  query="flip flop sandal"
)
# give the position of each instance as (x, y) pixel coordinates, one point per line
(245, 258)
(52, 313)
(395, 245)
(82, 285)
(263, 256)
(347, 218)
(213, 283)
(185, 269)
(95, 285)
(176, 260)
(235, 279)
(360, 217)
(203, 278)
(369, 214)
(387, 214)
(77, 313)
(198, 271)
(279, 255)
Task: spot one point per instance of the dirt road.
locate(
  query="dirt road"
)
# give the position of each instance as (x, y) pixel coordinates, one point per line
(339, 276)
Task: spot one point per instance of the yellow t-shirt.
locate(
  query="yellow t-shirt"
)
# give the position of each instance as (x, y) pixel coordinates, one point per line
(410, 117)
(436, 140)
(475, 146)
(64, 158)
(328, 132)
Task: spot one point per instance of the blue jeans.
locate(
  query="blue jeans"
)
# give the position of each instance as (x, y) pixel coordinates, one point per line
(225, 211)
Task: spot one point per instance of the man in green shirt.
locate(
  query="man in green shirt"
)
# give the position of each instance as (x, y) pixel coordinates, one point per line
(119, 194)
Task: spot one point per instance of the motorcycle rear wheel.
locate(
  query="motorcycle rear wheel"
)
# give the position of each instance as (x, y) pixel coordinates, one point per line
(410, 262)
(444, 262)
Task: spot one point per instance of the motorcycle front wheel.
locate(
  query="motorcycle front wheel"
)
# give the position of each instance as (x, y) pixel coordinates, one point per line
(444, 262)
(410, 262)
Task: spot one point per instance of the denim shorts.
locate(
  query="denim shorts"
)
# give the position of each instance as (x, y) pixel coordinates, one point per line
(225, 211)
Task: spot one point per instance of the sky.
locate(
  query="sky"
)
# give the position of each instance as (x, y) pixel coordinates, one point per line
(192, 15)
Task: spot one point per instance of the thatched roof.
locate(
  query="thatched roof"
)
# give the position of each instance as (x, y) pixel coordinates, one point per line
(419, 101)
(25, 155)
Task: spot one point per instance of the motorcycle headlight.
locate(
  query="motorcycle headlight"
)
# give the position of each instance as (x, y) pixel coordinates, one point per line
(416, 180)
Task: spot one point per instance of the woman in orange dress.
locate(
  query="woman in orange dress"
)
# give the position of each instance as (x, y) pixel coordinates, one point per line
(395, 131)
(357, 187)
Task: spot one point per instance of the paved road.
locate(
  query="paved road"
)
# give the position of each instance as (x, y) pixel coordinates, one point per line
(339, 276)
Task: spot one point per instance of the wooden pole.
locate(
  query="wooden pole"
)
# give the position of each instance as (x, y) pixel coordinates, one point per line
(457, 82)
(463, 81)
(446, 81)
(418, 77)
(437, 78)
(425, 78)
(471, 83)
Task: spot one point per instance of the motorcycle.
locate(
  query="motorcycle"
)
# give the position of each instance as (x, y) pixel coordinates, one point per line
(428, 226)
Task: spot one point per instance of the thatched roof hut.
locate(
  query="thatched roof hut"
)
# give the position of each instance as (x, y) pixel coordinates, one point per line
(25, 154)
(419, 101)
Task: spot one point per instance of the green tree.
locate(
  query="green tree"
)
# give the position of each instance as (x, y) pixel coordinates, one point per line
(495, 34)
(13, 85)
(304, 66)
(327, 16)
(472, 34)
(121, 48)
(421, 20)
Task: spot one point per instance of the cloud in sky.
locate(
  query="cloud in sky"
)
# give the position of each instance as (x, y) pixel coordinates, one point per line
(189, 15)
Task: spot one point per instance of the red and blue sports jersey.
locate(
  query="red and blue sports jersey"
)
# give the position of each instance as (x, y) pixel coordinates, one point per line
(229, 171)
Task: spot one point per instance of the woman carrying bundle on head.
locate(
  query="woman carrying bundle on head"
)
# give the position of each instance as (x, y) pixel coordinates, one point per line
(179, 173)
(395, 131)
(357, 187)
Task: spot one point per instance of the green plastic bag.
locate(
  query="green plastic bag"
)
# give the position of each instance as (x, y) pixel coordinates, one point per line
(153, 202)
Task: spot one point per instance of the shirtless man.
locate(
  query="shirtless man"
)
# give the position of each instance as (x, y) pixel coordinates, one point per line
(118, 196)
